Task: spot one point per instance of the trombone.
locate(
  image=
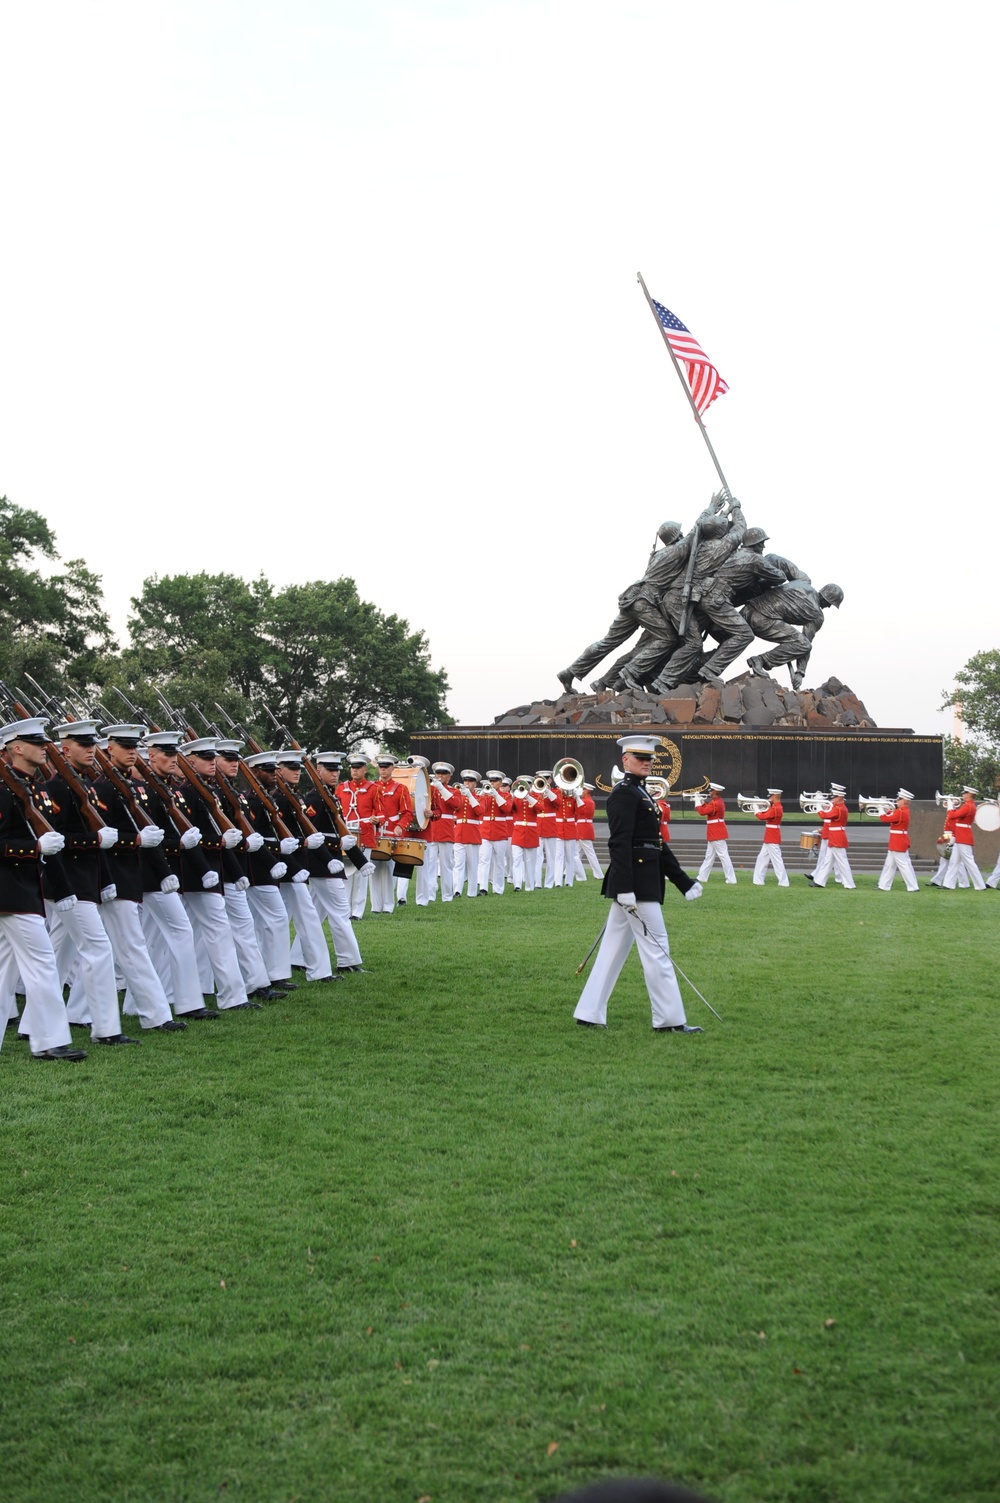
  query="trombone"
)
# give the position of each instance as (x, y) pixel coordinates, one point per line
(750, 805)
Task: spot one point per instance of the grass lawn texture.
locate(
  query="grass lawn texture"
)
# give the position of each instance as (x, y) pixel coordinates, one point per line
(417, 1236)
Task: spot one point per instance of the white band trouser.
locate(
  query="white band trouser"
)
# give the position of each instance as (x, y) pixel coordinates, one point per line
(80, 939)
(357, 886)
(585, 852)
(381, 890)
(493, 865)
(963, 860)
(833, 857)
(622, 930)
(466, 870)
(770, 855)
(426, 876)
(898, 861)
(548, 847)
(524, 863)
(717, 850)
(25, 944)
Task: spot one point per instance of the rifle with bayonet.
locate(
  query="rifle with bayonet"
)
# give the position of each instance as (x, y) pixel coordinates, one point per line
(206, 793)
(253, 783)
(176, 815)
(77, 787)
(17, 785)
(329, 802)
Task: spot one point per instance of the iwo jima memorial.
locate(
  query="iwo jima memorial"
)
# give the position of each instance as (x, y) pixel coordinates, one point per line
(706, 595)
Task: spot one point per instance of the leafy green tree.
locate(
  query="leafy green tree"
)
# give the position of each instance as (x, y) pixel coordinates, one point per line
(53, 625)
(975, 760)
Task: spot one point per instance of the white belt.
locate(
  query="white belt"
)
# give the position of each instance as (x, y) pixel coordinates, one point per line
(472, 821)
(961, 827)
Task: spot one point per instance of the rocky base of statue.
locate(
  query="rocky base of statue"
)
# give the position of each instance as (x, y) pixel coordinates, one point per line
(752, 701)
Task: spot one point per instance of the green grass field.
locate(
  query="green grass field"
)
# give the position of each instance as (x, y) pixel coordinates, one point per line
(417, 1236)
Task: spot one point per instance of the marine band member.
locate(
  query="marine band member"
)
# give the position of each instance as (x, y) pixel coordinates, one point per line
(770, 851)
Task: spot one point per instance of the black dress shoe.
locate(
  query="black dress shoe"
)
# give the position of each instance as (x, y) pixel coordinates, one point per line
(679, 1028)
(117, 1038)
(284, 986)
(586, 1023)
(243, 1007)
(61, 1051)
(172, 1025)
(265, 994)
(201, 1012)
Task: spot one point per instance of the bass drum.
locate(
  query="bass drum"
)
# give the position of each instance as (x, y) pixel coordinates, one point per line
(987, 817)
(414, 774)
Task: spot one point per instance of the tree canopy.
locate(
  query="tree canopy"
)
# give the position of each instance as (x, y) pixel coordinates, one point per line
(975, 759)
(332, 667)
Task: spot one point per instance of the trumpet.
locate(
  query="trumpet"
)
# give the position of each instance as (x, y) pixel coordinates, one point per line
(567, 774)
(521, 787)
(947, 800)
(815, 803)
(657, 787)
(876, 807)
(696, 796)
(750, 805)
(539, 784)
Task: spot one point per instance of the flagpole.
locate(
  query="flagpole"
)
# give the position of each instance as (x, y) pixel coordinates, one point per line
(687, 389)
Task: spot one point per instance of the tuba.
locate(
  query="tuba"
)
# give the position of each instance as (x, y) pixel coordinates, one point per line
(657, 787)
(750, 805)
(567, 774)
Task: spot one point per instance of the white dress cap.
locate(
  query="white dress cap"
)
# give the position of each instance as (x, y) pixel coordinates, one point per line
(226, 748)
(717, 787)
(973, 791)
(263, 759)
(124, 732)
(904, 793)
(775, 790)
(202, 745)
(644, 745)
(32, 729)
(165, 740)
(290, 757)
(494, 774)
(76, 729)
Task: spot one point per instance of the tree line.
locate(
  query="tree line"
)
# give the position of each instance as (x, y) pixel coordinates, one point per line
(975, 760)
(333, 667)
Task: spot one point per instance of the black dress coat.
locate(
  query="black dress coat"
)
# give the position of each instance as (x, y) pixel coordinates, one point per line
(639, 860)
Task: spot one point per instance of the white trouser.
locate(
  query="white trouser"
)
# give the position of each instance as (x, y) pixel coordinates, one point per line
(770, 855)
(565, 862)
(308, 929)
(898, 861)
(270, 921)
(25, 946)
(621, 931)
(717, 850)
(493, 865)
(524, 867)
(446, 868)
(509, 858)
(80, 939)
(329, 895)
(382, 896)
(836, 857)
(124, 929)
(207, 912)
(549, 849)
(170, 941)
(357, 888)
(962, 859)
(426, 876)
(938, 878)
(466, 869)
(993, 880)
(252, 966)
(585, 852)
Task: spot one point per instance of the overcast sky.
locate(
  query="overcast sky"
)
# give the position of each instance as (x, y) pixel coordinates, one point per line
(328, 288)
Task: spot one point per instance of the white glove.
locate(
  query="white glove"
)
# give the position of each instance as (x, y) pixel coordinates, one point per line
(473, 801)
(109, 893)
(65, 904)
(694, 892)
(107, 837)
(288, 845)
(254, 841)
(190, 839)
(549, 795)
(300, 876)
(313, 842)
(626, 899)
(531, 801)
(170, 884)
(335, 868)
(151, 835)
(231, 839)
(241, 884)
(278, 870)
(437, 783)
(368, 870)
(51, 843)
(348, 842)
(210, 880)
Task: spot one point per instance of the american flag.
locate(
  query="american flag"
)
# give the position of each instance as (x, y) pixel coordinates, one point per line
(704, 380)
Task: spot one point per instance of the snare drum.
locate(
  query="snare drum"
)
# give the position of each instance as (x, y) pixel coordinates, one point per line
(384, 848)
(408, 852)
(808, 841)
